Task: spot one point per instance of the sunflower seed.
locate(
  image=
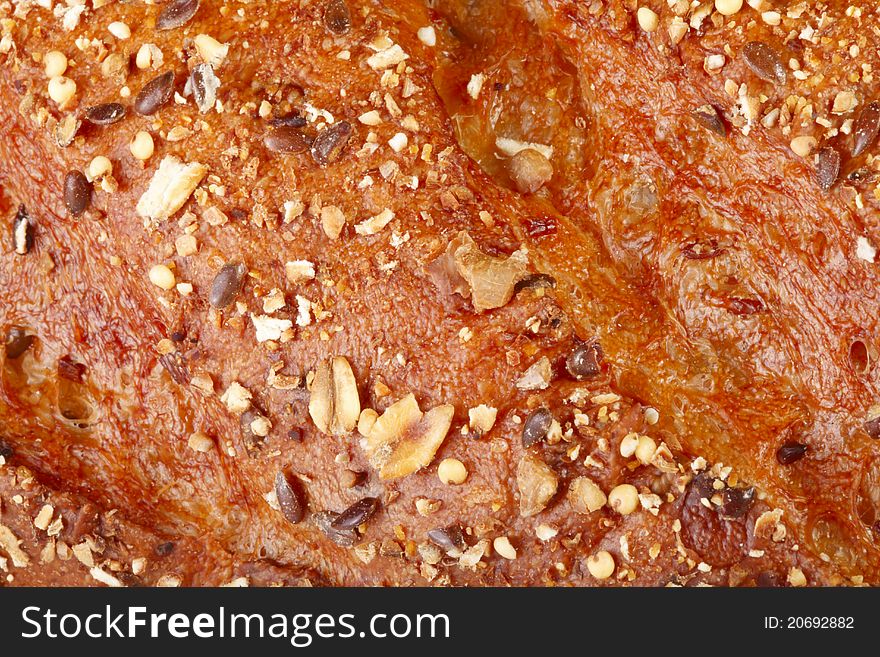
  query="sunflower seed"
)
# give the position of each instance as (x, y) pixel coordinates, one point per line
(585, 361)
(23, 231)
(357, 514)
(448, 538)
(329, 143)
(287, 139)
(764, 61)
(343, 537)
(105, 114)
(828, 167)
(708, 117)
(791, 452)
(17, 342)
(154, 94)
(337, 17)
(866, 128)
(176, 13)
(227, 284)
(536, 427)
(289, 500)
(77, 192)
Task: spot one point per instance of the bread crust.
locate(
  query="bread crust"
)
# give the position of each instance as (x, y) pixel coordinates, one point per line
(718, 359)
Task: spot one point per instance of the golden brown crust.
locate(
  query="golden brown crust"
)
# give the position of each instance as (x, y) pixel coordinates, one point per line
(127, 382)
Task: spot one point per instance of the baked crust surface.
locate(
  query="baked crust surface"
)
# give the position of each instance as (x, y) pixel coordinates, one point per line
(721, 304)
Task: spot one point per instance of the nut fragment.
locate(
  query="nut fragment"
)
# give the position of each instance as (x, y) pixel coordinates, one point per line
(334, 405)
(585, 496)
(648, 19)
(404, 439)
(482, 418)
(54, 63)
(487, 280)
(170, 187)
(537, 484)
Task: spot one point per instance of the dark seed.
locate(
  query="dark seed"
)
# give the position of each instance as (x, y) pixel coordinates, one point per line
(5, 450)
(448, 538)
(791, 452)
(17, 342)
(702, 250)
(294, 120)
(70, 370)
(344, 537)
(77, 192)
(204, 86)
(767, 580)
(744, 306)
(357, 514)
(105, 114)
(176, 13)
(337, 17)
(289, 500)
(534, 282)
(862, 175)
(23, 231)
(872, 427)
(287, 139)
(764, 61)
(866, 128)
(541, 226)
(585, 361)
(707, 116)
(828, 167)
(227, 284)
(536, 426)
(164, 549)
(736, 502)
(330, 142)
(154, 94)
(176, 367)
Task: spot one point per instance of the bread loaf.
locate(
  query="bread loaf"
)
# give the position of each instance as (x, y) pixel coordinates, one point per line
(533, 292)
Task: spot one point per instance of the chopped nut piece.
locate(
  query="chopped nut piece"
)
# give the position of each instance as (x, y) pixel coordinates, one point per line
(237, 398)
(10, 545)
(537, 484)
(374, 224)
(334, 405)
(298, 271)
(271, 328)
(482, 418)
(404, 439)
(488, 281)
(332, 221)
(210, 50)
(585, 496)
(537, 377)
(170, 188)
(387, 57)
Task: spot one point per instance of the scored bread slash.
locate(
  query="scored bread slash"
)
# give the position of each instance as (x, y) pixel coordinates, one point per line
(171, 186)
(334, 404)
